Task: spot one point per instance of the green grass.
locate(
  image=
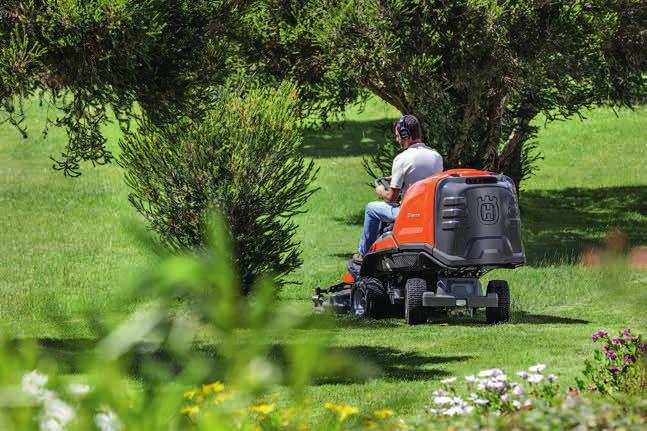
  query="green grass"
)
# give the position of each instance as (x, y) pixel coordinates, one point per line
(65, 250)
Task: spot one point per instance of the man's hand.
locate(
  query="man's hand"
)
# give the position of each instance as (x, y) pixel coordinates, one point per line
(380, 190)
(390, 195)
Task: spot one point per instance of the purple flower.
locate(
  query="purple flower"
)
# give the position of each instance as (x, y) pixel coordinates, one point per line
(626, 332)
(616, 341)
(606, 347)
(628, 359)
(614, 369)
(612, 355)
(599, 334)
(642, 347)
(591, 389)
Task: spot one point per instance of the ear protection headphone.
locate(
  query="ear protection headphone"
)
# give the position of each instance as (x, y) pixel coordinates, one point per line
(404, 131)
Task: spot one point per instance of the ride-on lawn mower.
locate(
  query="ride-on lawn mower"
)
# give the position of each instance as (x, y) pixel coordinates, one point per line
(452, 228)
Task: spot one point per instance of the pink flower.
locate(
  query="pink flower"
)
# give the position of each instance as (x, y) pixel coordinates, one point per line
(616, 341)
(642, 347)
(628, 359)
(606, 347)
(614, 369)
(626, 332)
(612, 355)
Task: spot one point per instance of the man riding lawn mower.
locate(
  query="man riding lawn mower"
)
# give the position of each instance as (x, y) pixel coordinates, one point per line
(428, 253)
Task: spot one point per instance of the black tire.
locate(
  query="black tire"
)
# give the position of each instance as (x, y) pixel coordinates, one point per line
(368, 298)
(414, 312)
(500, 314)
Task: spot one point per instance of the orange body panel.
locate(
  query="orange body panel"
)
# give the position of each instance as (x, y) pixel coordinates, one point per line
(348, 278)
(415, 222)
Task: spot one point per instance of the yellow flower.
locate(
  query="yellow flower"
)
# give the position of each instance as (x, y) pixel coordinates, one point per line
(262, 409)
(383, 413)
(199, 399)
(370, 425)
(190, 394)
(223, 397)
(341, 410)
(190, 410)
(213, 387)
(302, 427)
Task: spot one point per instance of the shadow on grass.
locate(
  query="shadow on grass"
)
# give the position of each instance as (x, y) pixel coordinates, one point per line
(525, 317)
(388, 363)
(559, 224)
(345, 139)
(341, 365)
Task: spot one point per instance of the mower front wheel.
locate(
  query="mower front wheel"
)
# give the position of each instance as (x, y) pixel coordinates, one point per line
(367, 298)
(414, 312)
(501, 313)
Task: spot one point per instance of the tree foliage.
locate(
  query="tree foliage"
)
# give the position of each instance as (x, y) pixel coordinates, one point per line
(88, 57)
(243, 157)
(475, 72)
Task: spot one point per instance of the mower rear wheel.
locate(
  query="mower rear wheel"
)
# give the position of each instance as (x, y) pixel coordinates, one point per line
(414, 312)
(368, 299)
(501, 313)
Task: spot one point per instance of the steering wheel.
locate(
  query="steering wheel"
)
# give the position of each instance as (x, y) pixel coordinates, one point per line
(383, 181)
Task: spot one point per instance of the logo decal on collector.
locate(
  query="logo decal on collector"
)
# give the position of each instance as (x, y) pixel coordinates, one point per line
(488, 209)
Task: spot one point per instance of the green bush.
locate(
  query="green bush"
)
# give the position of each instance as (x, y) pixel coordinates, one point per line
(87, 58)
(243, 158)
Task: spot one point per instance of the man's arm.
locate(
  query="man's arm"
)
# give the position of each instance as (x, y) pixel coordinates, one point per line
(390, 195)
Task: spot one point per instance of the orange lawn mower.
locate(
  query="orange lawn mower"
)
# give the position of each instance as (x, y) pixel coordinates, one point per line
(452, 228)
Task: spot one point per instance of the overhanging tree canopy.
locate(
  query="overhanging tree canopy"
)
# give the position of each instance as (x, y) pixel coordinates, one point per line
(475, 72)
(86, 57)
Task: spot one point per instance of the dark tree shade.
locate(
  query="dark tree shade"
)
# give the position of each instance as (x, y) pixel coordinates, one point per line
(243, 158)
(475, 72)
(86, 57)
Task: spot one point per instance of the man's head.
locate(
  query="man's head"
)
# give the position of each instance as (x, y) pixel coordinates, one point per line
(407, 131)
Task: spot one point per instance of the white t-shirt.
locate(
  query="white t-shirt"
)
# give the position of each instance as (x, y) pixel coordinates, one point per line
(414, 164)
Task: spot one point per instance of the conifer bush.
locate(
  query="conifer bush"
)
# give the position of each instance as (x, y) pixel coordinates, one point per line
(243, 158)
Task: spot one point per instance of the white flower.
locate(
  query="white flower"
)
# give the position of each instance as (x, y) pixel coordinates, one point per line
(491, 373)
(33, 383)
(442, 400)
(50, 424)
(495, 384)
(516, 404)
(78, 389)
(523, 374)
(448, 381)
(471, 379)
(537, 368)
(535, 378)
(527, 403)
(56, 414)
(517, 389)
(59, 410)
(552, 378)
(108, 421)
(458, 410)
(476, 400)
(440, 393)
(505, 398)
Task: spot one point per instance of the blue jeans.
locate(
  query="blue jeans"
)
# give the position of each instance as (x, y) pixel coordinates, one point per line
(375, 213)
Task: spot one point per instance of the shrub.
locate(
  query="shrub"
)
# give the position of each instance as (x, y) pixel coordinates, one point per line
(243, 158)
(618, 365)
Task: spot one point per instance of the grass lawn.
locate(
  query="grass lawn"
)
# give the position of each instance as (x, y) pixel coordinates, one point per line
(65, 250)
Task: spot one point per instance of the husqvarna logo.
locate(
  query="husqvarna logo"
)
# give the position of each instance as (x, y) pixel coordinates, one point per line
(488, 209)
